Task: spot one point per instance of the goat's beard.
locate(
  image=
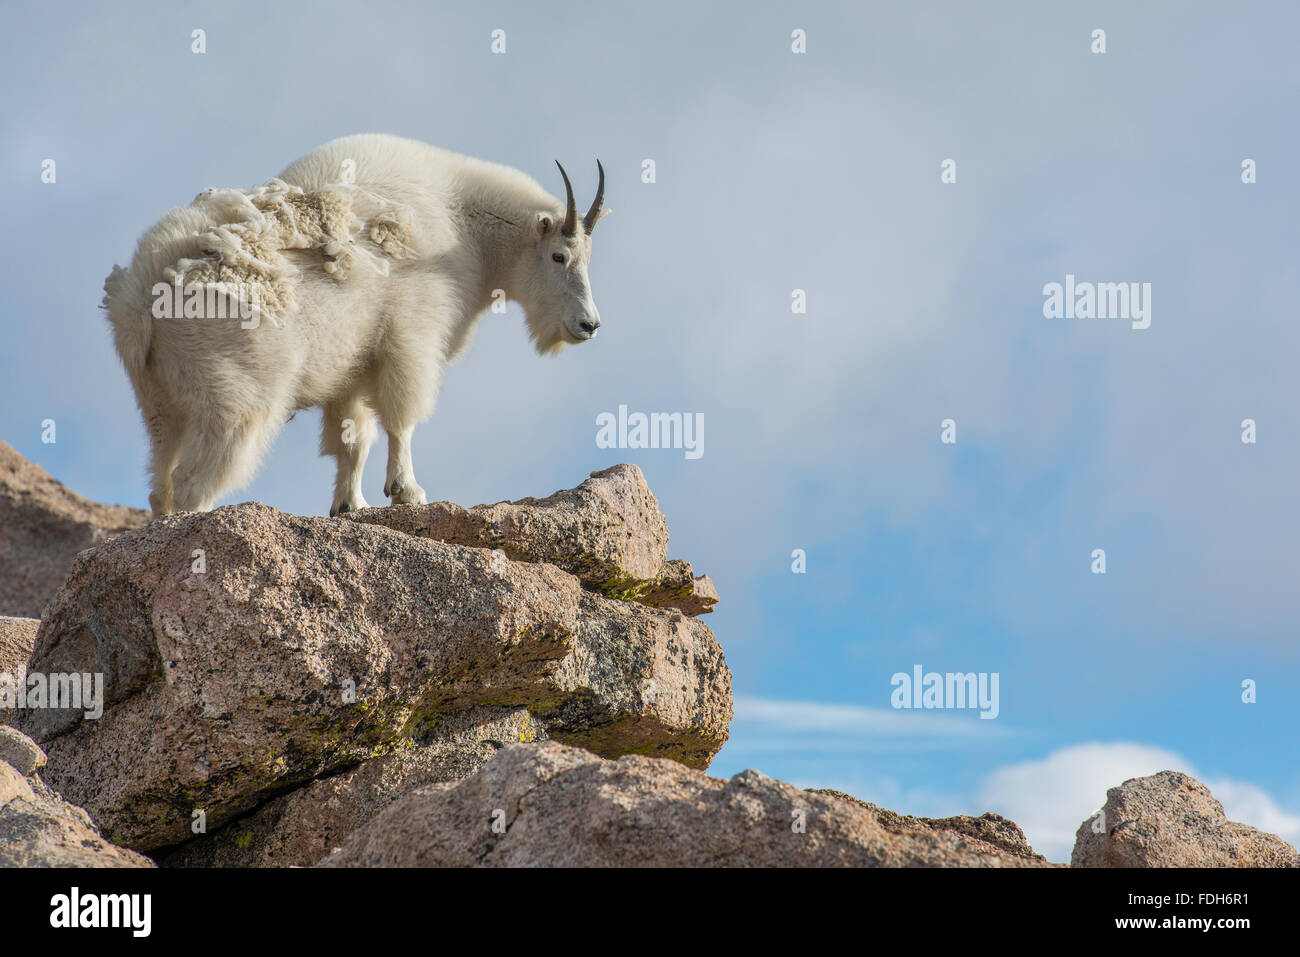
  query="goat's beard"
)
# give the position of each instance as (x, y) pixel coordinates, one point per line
(549, 338)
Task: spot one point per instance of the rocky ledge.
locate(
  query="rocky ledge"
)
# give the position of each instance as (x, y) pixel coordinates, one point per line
(525, 683)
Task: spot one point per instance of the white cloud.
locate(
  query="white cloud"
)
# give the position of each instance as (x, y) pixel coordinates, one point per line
(1049, 798)
(1251, 805)
(795, 718)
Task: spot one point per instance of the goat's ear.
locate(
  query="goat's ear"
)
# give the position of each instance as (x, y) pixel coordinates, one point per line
(543, 223)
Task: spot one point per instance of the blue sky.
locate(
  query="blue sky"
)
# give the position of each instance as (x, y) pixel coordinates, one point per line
(820, 172)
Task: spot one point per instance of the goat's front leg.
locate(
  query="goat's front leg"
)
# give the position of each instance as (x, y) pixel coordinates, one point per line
(404, 394)
(400, 485)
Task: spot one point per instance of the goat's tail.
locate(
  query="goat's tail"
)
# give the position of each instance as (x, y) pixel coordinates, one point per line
(132, 325)
(130, 313)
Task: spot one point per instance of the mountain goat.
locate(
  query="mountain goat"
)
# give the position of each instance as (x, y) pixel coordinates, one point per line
(348, 282)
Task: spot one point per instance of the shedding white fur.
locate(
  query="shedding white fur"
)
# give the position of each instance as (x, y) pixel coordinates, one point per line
(372, 258)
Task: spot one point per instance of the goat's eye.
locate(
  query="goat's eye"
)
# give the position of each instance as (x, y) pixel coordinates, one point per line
(558, 257)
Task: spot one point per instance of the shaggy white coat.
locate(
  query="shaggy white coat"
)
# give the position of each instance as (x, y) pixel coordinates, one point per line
(367, 264)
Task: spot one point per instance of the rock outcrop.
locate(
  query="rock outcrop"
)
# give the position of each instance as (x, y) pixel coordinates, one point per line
(40, 829)
(554, 806)
(988, 827)
(43, 525)
(1172, 820)
(246, 653)
(608, 532)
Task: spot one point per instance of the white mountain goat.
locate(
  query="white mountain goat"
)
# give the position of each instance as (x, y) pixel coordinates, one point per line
(348, 282)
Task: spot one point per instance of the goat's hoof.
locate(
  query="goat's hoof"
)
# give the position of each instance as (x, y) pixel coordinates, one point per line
(406, 494)
(341, 508)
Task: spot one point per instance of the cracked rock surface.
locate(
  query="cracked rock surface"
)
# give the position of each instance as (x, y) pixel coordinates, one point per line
(548, 805)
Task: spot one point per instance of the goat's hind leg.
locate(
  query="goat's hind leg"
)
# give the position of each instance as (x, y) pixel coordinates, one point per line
(220, 453)
(165, 434)
(347, 431)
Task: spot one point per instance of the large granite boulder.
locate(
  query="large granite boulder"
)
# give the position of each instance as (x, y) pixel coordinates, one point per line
(245, 652)
(1172, 820)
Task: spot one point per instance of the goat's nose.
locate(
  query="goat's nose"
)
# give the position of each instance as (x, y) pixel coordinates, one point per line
(589, 326)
